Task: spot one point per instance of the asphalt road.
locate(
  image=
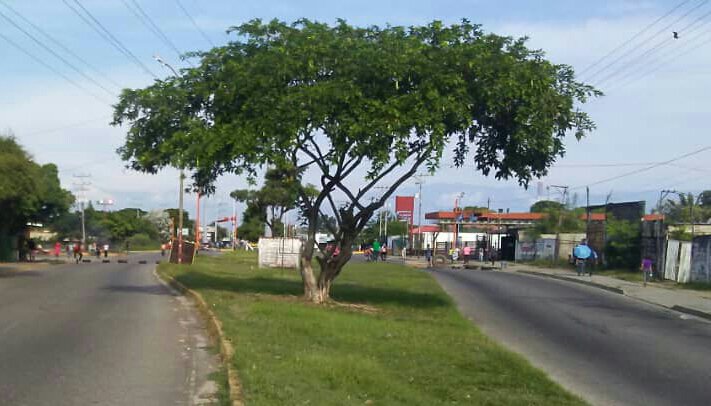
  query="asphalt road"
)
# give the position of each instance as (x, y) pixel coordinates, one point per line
(100, 334)
(609, 349)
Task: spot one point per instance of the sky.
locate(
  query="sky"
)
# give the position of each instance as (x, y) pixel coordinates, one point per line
(655, 109)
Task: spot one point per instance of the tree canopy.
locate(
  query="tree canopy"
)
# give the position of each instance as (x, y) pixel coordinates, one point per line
(357, 107)
(543, 206)
(267, 205)
(29, 192)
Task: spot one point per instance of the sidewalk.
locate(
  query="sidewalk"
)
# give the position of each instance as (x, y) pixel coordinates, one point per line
(697, 303)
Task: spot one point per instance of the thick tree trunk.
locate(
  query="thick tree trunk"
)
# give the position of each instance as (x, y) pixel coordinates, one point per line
(318, 290)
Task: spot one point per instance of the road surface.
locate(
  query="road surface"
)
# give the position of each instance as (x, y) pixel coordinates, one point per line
(100, 334)
(609, 349)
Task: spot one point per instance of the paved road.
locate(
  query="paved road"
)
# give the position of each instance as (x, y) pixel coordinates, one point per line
(99, 334)
(610, 349)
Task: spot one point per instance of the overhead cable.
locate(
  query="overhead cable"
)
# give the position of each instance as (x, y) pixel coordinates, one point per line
(150, 24)
(56, 55)
(632, 38)
(686, 30)
(63, 47)
(53, 69)
(698, 151)
(97, 26)
(192, 20)
(663, 30)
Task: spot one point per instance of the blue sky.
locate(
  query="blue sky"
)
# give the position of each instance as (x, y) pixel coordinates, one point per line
(655, 118)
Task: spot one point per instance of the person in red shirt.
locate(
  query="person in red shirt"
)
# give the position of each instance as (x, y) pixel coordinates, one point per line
(78, 255)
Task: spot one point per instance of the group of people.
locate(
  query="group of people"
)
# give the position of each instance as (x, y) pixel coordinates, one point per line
(76, 252)
(376, 251)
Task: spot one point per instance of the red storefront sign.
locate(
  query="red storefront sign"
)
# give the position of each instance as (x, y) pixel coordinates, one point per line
(405, 208)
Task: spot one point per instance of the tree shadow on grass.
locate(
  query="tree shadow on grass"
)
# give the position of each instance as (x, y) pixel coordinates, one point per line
(344, 292)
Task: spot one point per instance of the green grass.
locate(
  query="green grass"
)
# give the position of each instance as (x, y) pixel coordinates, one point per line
(406, 344)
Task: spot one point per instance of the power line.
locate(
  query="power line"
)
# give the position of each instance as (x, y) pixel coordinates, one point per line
(107, 35)
(68, 126)
(56, 55)
(60, 45)
(150, 24)
(635, 36)
(661, 45)
(652, 37)
(666, 59)
(698, 151)
(192, 20)
(54, 70)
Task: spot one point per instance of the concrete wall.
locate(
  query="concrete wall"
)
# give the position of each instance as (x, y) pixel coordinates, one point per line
(279, 253)
(701, 260)
(544, 247)
(678, 261)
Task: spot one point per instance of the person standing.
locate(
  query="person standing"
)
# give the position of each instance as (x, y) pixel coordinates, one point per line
(467, 252)
(376, 249)
(384, 252)
(57, 249)
(106, 250)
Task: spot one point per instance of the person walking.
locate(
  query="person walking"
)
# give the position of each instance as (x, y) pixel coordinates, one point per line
(384, 252)
(106, 250)
(428, 256)
(78, 255)
(376, 249)
(581, 254)
(646, 268)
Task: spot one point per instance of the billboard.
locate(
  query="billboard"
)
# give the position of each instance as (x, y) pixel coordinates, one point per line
(405, 208)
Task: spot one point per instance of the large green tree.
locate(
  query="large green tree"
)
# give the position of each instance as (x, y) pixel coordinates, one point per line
(29, 192)
(357, 109)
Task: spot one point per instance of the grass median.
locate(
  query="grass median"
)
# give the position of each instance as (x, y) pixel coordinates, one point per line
(392, 336)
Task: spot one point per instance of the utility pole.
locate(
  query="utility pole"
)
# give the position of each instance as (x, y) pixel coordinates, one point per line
(82, 186)
(564, 202)
(420, 181)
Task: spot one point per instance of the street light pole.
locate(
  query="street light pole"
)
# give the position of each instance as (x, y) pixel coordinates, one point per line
(182, 177)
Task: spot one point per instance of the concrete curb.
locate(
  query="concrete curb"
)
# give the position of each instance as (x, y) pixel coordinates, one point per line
(588, 283)
(215, 328)
(693, 312)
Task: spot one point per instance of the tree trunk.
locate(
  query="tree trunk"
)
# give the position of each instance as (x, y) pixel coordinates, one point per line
(307, 272)
(318, 290)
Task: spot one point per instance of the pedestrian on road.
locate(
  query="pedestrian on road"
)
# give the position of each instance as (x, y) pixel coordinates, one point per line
(106, 250)
(428, 256)
(57, 249)
(78, 255)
